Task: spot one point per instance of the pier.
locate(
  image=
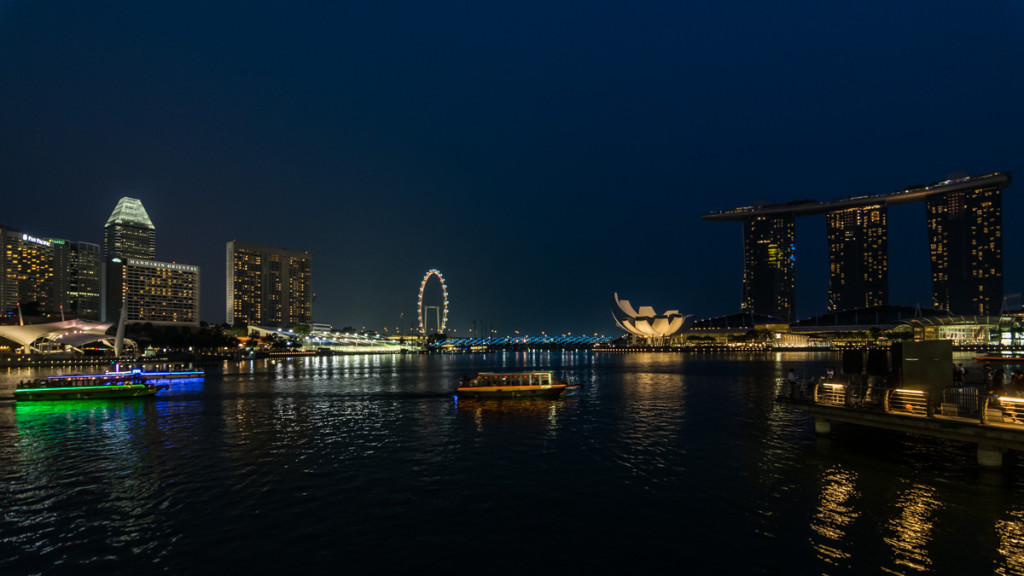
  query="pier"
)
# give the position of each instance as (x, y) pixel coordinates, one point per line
(995, 424)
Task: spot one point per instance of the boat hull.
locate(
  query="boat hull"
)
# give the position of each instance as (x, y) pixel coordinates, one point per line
(553, 391)
(86, 392)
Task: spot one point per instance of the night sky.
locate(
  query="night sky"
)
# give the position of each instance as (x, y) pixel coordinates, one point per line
(540, 154)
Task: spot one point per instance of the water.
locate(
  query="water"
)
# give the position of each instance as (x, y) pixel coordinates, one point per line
(367, 464)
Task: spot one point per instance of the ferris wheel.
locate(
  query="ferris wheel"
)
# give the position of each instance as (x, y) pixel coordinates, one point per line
(444, 292)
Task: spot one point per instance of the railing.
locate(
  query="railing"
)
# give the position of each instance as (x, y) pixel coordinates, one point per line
(965, 402)
(1002, 410)
(829, 394)
(962, 401)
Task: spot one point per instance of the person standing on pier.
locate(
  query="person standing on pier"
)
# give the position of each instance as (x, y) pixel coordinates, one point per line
(794, 388)
(1017, 382)
(989, 376)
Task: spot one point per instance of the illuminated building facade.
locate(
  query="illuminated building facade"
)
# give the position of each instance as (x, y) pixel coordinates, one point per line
(965, 235)
(27, 265)
(161, 293)
(129, 233)
(83, 285)
(965, 231)
(768, 266)
(76, 278)
(268, 286)
(858, 257)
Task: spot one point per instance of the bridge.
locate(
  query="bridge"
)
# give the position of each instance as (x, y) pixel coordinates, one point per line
(525, 342)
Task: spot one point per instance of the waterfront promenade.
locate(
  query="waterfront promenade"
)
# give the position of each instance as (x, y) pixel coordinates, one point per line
(993, 423)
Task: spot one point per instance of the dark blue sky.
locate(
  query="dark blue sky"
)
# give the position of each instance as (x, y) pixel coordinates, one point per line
(542, 155)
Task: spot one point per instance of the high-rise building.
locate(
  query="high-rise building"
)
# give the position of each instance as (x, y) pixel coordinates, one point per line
(268, 286)
(964, 228)
(129, 233)
(161, 293)
(27, 268)
(61, 275)
(858, 257)
(83, 292)
(769, 262)
(965, 234)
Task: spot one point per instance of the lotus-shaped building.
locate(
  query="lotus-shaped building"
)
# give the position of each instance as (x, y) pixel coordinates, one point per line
(646, 323)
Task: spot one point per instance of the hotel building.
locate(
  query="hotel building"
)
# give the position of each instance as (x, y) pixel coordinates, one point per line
(964, 219)
(268, 286)
(858, 257)
(161, 293)
(28, 269)
(965, 235)
(769, 262)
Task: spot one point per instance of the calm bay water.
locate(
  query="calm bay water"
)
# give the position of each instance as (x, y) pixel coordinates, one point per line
(367, 464)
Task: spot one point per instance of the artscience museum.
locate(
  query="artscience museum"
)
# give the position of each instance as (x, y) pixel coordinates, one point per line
(646, 324)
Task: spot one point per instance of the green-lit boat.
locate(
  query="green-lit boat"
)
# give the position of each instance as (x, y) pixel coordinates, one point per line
(88, 386)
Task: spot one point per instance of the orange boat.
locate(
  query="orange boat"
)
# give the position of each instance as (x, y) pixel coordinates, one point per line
(535, 384)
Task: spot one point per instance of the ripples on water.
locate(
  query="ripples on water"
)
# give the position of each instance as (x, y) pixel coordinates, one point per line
(662, 463)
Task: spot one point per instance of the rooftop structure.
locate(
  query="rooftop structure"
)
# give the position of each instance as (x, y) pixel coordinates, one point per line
(915, 193)
(129, 233)
(965, 241)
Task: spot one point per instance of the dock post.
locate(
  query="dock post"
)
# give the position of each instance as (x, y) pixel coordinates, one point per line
(822, 427)
(990, 456)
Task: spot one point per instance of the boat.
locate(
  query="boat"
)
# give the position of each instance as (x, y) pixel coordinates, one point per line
(169, 375)
(88, 386)
(1013, 359)
(533, 384)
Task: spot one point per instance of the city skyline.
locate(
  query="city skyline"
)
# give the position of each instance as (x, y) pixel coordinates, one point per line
(541, 157)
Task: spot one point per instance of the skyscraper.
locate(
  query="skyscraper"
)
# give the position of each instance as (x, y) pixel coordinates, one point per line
(129, 233)
(769, 262)
(964, 229)
(268, 286)
(858, 257)
(27, 268)
(83, 292)
(965, 235)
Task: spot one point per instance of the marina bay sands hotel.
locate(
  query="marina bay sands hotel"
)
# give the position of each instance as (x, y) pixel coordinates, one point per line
(964, 218)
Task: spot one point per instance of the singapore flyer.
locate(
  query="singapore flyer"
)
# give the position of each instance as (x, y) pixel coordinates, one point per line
(444, 293)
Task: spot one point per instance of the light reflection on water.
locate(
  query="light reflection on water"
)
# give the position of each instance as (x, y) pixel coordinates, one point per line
(910, 529)
(836, 511)
(661, 460)
(1011, 543)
